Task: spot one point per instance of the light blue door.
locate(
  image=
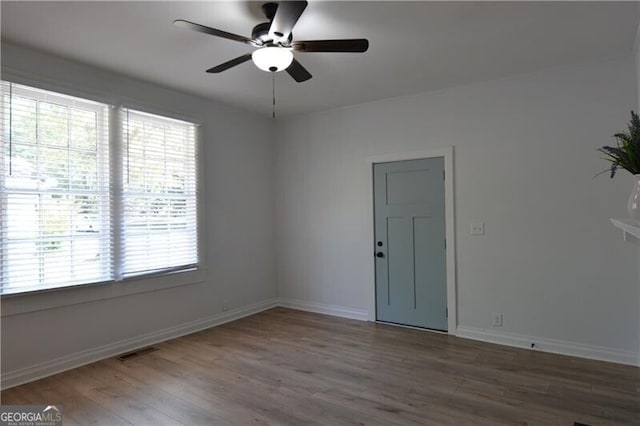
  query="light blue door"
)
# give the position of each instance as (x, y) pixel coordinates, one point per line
(410, 246)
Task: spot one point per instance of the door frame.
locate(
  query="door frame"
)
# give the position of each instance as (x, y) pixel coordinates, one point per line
(447, 154)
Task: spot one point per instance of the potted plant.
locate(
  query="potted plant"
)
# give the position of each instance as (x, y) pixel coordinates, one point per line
(626, 155)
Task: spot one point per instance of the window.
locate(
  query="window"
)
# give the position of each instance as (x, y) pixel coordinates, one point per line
(63, 219)
(55, 190)
(159, 193)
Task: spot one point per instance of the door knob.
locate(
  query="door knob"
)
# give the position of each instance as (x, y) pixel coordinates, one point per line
(379, 254)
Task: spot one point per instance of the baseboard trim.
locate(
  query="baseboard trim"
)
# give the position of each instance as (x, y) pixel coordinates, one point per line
(58, 365)
(561, 347)
(320, 308)
(28, 374)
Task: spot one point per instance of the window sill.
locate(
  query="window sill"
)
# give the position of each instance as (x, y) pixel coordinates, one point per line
(39, 300)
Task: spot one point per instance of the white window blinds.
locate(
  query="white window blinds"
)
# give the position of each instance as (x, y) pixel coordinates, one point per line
(84, 202)
(159, 197)
(54, 180)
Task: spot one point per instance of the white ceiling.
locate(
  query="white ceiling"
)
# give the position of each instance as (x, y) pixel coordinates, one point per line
(414, 46)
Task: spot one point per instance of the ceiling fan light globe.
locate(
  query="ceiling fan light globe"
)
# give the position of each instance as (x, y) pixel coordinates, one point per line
(272, 59)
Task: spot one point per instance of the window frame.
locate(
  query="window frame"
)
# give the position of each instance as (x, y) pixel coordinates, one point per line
(103, 157)
(47, 298)
(122, 192)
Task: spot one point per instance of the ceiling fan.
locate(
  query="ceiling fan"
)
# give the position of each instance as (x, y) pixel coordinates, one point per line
(274, 41)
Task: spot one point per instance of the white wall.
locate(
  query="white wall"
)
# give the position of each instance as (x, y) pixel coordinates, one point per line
(525, 156)
(524, 159)
(636, 55)
(239, 225)
(636, 52)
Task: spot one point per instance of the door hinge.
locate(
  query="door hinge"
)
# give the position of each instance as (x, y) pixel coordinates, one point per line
(446, 310)
(445, 243)
(443, 175)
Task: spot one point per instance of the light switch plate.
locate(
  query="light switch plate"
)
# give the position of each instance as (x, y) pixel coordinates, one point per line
(477, 228)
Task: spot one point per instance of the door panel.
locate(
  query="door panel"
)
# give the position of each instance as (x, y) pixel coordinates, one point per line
(400, 187)
(400, 288)
(410, 237)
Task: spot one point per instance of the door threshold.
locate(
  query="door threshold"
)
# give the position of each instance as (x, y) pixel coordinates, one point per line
(413, 327)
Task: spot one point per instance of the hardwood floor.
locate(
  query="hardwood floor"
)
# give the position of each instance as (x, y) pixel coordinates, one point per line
(290, 367)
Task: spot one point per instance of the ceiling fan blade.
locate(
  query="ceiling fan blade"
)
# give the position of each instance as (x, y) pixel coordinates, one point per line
(298, 72)
(211, 31)
(229, 64)
(287, 15)
(350, 45)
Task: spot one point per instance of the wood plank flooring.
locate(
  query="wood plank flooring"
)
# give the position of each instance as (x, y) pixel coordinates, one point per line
(287, 367)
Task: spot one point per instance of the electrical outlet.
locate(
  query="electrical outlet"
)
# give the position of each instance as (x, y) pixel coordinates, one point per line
(497, 319)
(477, 228)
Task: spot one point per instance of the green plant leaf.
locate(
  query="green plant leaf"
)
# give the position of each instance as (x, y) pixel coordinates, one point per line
(626, 153)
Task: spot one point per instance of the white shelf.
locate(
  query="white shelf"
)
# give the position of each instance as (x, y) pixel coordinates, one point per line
(628, 226)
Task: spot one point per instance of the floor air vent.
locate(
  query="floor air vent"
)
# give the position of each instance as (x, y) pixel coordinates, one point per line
(136, 353)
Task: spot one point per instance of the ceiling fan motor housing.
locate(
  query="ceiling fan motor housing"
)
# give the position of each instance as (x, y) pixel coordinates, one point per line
(261, 32)
(269, 10)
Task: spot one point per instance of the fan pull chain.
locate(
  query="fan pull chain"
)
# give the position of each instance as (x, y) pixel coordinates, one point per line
(273, 85)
